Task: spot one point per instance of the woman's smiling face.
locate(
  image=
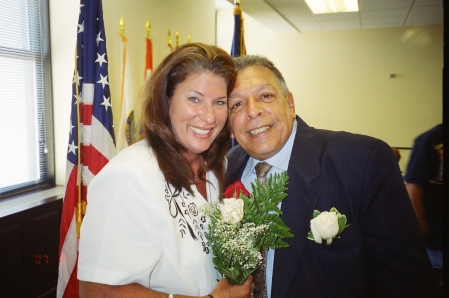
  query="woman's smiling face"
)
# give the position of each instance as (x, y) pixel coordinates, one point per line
(198, 111)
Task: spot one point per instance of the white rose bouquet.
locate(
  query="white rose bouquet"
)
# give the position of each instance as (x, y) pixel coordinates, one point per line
(243, 224)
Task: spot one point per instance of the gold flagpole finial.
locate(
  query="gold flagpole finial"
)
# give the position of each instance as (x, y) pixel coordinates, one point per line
(188, 38)
(237, 2)
(122, 26)
(169, 37)
(177, 39)
(148, 26)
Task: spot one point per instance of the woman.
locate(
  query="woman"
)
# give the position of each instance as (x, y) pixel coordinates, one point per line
(143, 234)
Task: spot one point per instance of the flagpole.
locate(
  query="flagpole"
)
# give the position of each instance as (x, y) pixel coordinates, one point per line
(170, 47)
(79, 201)
(148, 26)
(124, 41)
(122, 26)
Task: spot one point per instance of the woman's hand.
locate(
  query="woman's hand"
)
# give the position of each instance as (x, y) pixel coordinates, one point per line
(225, 290)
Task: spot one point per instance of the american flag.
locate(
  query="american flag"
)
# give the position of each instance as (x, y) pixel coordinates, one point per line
(91, 137)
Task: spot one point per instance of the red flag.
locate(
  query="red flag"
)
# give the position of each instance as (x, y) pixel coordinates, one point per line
(149, 59)
(91, 137)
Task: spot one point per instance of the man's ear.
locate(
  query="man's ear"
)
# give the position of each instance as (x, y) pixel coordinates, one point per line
(291, 104)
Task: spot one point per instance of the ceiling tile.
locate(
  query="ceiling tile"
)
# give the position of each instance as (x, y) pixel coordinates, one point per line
(424, 10)
(428, 2)
(308, 26)
(384, 4)
(337, 16)
(425, 15)
(302, 18)
(293, 10)
(383, 22)
(394, 12)
(341, 25)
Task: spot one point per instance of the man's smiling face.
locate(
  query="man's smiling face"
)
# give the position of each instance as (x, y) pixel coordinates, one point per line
(261, 117)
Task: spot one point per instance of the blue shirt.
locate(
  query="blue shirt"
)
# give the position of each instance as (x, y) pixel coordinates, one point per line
(280, 164)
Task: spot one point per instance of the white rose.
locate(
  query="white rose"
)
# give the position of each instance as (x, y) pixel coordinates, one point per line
(232, 210)
(324, 226)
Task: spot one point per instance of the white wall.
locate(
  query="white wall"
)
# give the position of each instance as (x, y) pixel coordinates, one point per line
(340, 79)
(194, 18)
(63, 24)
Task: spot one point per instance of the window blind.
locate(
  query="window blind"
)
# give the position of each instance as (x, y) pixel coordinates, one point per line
(25, 95)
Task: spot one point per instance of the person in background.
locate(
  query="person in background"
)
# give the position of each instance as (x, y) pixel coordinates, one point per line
(424, 183)
(143, 234)
(380, 252)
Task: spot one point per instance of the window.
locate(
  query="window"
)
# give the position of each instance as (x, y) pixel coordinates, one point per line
(26, 132)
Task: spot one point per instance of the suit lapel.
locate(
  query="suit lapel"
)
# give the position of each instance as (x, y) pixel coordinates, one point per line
(297, 208)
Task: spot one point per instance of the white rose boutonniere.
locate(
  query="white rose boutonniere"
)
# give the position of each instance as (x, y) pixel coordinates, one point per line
(326, 225)
(232, 210)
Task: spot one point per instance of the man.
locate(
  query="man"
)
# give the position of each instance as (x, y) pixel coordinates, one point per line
(424, 183)
(380, 253)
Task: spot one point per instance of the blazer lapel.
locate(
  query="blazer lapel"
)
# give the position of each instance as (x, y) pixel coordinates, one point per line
(297, 208)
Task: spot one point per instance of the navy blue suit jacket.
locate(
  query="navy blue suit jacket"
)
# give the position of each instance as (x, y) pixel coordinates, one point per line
(380, 254)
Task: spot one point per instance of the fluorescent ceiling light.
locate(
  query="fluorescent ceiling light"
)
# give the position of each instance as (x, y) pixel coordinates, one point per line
(332, 6)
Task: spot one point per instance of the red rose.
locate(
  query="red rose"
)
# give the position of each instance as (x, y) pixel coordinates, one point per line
(234, 190)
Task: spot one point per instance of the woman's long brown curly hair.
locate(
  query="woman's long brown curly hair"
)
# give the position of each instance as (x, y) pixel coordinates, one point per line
(158, 92)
